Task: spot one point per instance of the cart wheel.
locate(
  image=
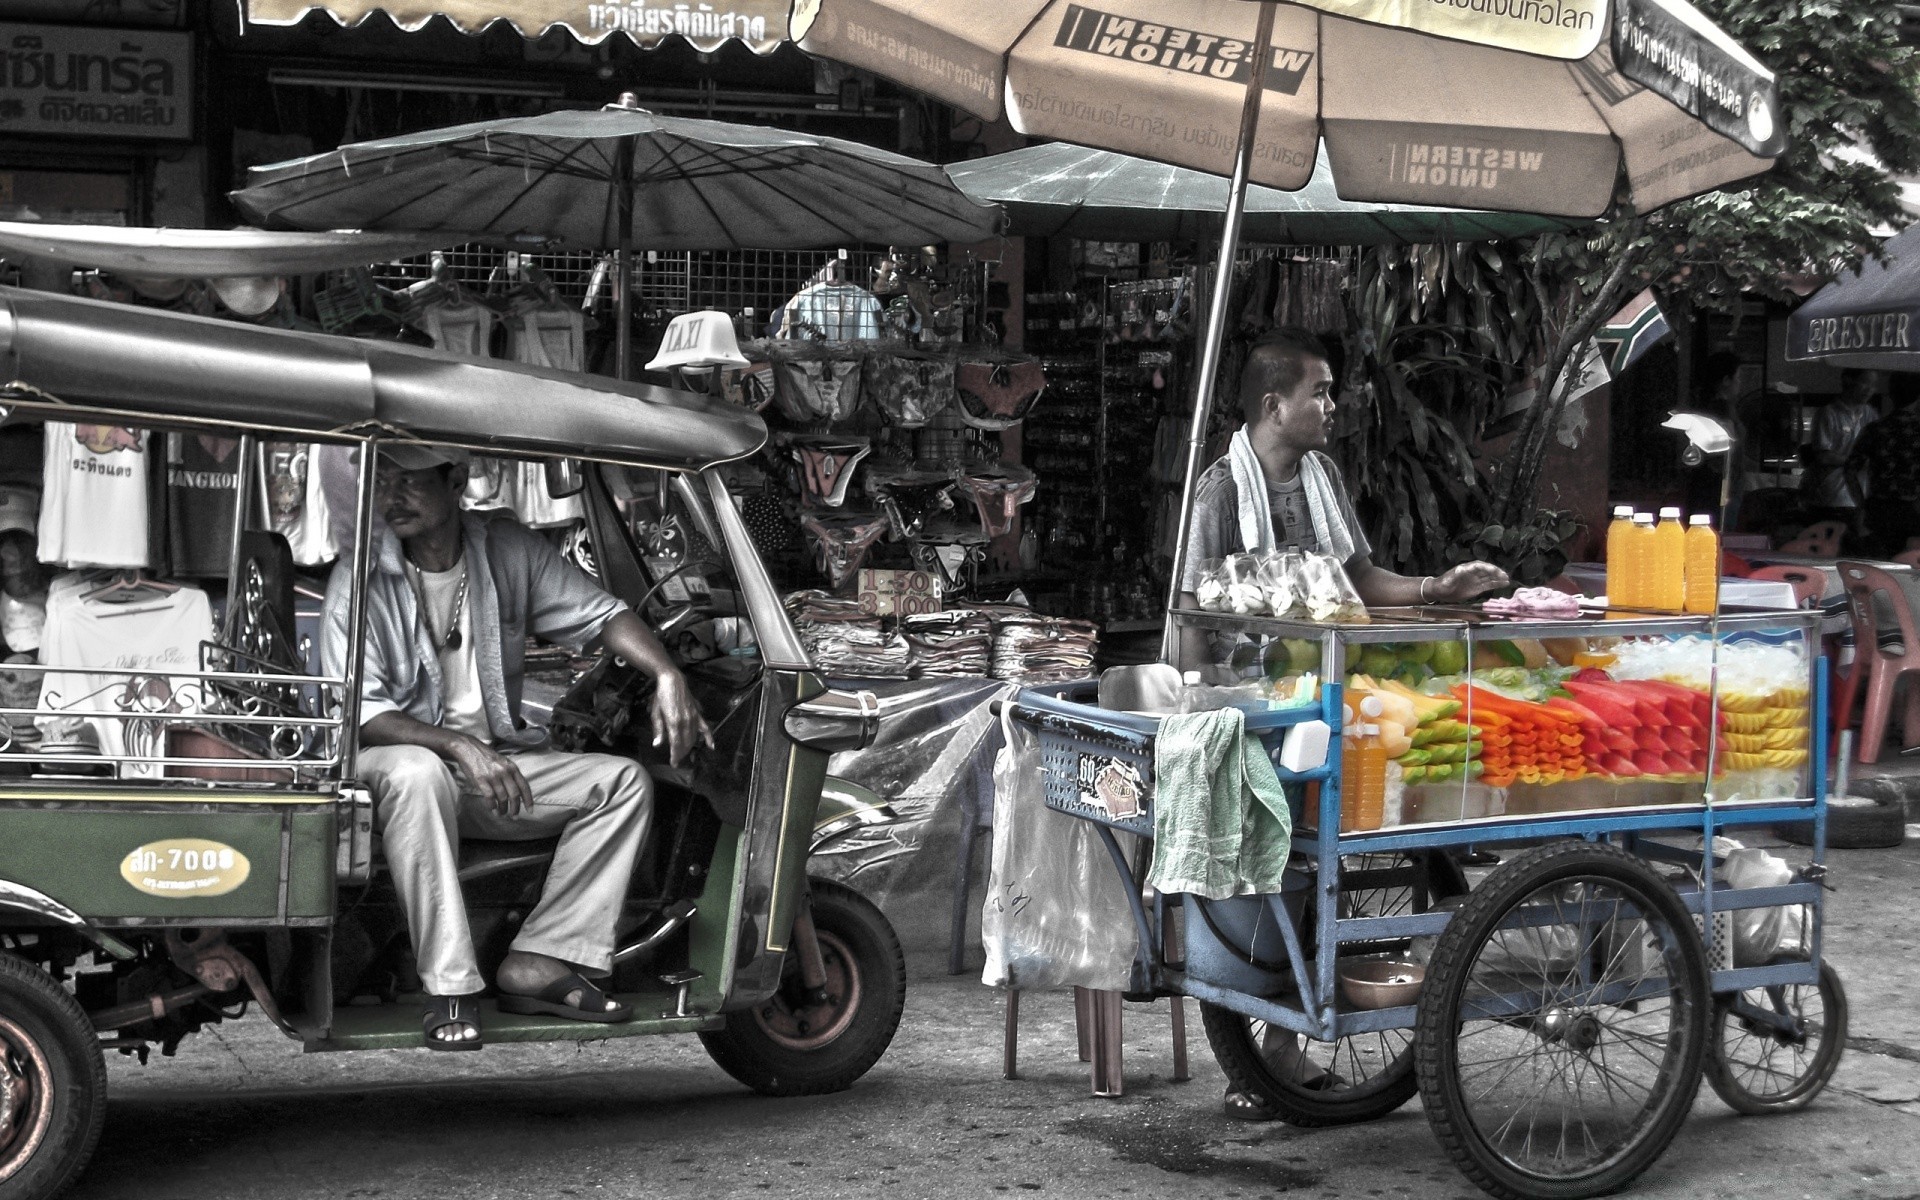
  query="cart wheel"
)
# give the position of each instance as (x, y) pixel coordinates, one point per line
(1562, 1028)
(53, 1086)
(1374, 1070)
(1757, 1066)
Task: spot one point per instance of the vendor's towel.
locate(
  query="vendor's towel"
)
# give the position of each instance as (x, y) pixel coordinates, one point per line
(1220, 822)
(1256, 513)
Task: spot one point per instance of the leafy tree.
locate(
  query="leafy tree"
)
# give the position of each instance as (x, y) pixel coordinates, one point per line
(1847, 84)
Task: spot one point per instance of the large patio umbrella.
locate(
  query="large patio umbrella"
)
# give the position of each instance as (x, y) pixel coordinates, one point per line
(619, 178)
(1062, 190)
(1545, 106)
(1868, 317)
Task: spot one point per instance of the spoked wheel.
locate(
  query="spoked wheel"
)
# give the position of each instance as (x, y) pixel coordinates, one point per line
(53, 1086)
(797, 1043)
(1775, 1048)
(1562, 1028)
(1358, 1078)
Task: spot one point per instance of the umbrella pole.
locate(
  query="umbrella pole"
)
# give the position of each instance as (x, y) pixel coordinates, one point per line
(623, 265)
(1217, 315)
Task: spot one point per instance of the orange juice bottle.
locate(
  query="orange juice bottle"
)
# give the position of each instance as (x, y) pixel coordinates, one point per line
(1370, 778)
(1349, 743)
(1703, 565)
(1618, 532)
(1669, 574)
(1637, 559)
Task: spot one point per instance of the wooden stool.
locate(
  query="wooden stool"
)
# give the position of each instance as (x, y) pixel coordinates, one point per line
(1096, 1022)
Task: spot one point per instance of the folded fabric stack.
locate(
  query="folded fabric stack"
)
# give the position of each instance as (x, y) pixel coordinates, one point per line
(814, 605)
(956, 643)
(1032, 649)
(860, 649)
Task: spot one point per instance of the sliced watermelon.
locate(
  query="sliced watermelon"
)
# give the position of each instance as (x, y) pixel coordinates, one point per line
(1650, 762)
(1619, 765)
(1601, 700)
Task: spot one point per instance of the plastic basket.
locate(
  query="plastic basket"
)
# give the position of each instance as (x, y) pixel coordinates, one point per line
(1098, 763)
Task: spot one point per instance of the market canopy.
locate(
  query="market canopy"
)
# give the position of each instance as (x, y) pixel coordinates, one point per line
(148, 362)
(209, 253)
(1060, 189)
(1486, 105)
(761, 24)
(1868, 317)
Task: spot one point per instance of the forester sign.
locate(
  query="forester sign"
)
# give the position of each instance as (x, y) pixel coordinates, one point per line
(96, 83)
(1869, 317)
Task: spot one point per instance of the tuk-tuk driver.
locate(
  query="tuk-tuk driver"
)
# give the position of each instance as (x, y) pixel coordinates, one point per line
(450, 599)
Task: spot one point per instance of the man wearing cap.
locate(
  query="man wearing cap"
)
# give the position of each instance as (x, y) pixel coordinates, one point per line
(450, 600)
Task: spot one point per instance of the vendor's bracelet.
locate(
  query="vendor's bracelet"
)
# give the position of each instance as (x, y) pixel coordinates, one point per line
(1424, 581)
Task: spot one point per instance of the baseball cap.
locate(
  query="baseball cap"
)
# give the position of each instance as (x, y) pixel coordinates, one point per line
(19, 508)
(418, 456)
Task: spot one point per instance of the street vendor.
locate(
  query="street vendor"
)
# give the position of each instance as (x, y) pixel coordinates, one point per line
(1300, 502)
(451, 598)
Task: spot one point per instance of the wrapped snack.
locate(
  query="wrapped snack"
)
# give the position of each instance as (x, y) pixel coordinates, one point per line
(1329, 594)
(1245, 595)
(1211, 591)
(1286, 585)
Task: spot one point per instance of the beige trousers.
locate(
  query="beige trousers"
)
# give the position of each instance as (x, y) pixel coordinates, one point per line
(599, 806)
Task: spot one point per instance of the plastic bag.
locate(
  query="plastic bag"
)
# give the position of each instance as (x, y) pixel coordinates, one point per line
(1246, 595)
(1285, 589)
(1761, 933)
(1056, 913)
(1211, 591)
(1328, 593)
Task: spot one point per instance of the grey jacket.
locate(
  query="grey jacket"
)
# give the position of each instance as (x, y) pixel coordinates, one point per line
(517, 583)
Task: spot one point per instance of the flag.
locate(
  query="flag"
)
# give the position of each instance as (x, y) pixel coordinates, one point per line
(1633, 330)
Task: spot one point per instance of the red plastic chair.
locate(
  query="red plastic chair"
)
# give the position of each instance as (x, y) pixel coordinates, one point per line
(1822, 539)
(1809, 584)
(1877, 668)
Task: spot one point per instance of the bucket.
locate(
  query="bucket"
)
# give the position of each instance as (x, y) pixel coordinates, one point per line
(1222, 936)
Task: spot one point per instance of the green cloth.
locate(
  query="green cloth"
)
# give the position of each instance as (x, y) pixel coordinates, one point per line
(1220, 821)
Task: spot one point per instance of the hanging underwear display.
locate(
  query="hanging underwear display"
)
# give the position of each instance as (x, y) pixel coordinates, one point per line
(768, 524)
(909, 389)
(998, 395)
(750, 387)
(910, 498)
(841, 541)
(998, 490)
(811, 389)
(826, 465)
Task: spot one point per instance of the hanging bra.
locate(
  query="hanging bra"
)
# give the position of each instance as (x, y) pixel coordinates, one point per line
(826, 465)
(841, 541)
(814, 390)
(750, 387)
(909, 389)
(998, 491)
(998, 395)
(910, 498)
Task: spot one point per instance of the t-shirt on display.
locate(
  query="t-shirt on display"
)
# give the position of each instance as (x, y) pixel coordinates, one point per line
(202, 478)
(93, 505)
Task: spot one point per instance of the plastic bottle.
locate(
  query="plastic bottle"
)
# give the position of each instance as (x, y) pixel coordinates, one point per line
(1191, 699)
(1618, 531)
(1703, 565)
(1349, 742)
(1670, 562)
(1637, 557)
(1369, 778)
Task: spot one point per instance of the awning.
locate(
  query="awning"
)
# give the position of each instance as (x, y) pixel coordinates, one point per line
(1865, 318)
(760, 24)
(209, 253)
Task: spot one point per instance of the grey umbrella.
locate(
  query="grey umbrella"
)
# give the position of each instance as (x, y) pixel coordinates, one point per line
(1077, 191)
(619, 178)
(1867, 317)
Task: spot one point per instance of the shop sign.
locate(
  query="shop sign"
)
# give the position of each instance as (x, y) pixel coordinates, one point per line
(761, 24)
(898, 593)
(107, 83)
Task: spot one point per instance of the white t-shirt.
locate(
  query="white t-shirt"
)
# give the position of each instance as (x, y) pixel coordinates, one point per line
(114, 642)
(93, 507)
(465, 705)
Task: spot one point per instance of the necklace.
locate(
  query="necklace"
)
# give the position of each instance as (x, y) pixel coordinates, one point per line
(452, 640)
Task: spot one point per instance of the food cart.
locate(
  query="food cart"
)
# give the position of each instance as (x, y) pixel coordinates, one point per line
(1557, 1016)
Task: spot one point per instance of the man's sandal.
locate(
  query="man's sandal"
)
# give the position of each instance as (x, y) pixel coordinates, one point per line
(552, 1001)
(443, 1011)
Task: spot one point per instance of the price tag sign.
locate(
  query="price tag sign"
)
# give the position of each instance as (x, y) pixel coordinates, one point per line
(898, 593)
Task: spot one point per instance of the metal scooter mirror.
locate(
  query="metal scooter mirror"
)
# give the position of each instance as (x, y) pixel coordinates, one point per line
(564, 478)
(834, 721)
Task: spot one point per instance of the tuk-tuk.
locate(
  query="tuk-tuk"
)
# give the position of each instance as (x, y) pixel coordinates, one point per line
(151, 885)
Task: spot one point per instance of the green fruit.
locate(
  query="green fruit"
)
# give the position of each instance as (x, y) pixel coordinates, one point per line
(1449, 658)
(1378, 661)
(1419, 652)
(1303, 654)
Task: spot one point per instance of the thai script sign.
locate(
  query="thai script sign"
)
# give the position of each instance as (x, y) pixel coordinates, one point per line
(107, 83)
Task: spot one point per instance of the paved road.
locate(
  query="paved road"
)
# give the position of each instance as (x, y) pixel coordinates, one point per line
(241, 1114)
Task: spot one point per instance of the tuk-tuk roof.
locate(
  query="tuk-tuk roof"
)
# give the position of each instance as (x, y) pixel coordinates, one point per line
(146, 362)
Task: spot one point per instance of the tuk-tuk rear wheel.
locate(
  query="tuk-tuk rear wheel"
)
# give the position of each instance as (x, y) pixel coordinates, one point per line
(53, 1084)
(768, 1049)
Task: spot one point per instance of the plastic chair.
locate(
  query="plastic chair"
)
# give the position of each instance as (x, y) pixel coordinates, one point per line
(1822, 539)
(1809, 583)
(1873, 664)
(1909, 558)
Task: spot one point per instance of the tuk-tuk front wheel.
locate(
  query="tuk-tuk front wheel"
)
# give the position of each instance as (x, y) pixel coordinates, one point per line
(799, 1044)
(53, 1085)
